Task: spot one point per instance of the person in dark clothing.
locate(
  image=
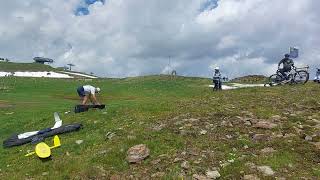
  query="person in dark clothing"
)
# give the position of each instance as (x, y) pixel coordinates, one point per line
(317, 78)
(287, 65)
(217, 79)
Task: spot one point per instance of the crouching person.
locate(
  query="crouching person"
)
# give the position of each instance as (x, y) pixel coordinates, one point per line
(88, 92)
(217, 79)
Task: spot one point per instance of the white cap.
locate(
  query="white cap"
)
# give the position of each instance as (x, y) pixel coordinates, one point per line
(98, 90)
(216, 68)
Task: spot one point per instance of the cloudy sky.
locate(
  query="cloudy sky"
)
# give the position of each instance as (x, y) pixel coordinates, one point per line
(117, 38)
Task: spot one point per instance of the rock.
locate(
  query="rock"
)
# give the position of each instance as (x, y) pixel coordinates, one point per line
(203, 132)
(251, 177)
(137, 153)
(158, 175)
(110, 135)
(293, 115)
(268, 150)
(45, 173)
(213, 174)
(226, 124)
(247, 123)
(317, 145)
(177, 160)
(115, 177)
(154, 162)
(276, 118)
(308, 138)
(251, 165)
(265, 170)
(79, 141)
(199, 177)
(260, 137)
(265, 125)
(185, 165)
(158, 127)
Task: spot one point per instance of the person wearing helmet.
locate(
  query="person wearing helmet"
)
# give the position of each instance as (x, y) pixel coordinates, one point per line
(87, 92)
(287, 65)
(217, 79)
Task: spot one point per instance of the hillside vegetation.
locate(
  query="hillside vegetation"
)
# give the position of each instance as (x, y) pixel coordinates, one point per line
(188, 128)
(12, 67)
(251, 79)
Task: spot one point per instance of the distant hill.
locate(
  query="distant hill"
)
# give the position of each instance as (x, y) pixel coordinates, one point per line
(12, 67)
(37, 67)
(250, 79)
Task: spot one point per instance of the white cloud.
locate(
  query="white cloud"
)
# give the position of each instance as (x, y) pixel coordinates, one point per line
(126, 38)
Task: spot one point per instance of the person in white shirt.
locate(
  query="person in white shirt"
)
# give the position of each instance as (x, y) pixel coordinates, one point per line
(88, 92)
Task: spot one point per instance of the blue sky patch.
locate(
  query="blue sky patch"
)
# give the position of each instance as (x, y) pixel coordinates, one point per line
(83, 7)
(209, 5)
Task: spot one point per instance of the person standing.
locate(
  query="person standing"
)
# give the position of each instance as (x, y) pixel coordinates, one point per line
(217, 79)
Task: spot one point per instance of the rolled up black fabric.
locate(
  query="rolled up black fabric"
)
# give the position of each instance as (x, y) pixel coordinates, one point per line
(15, 141)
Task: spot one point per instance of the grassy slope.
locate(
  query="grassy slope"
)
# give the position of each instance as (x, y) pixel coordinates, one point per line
(135, 106)
(11, 67)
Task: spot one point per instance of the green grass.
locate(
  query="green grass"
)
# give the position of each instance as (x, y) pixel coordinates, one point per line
(11, 67)
(134, 107)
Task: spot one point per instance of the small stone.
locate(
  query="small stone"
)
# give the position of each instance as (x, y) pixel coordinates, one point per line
(251, 165)
(177, 160)
(247, 123)
(158, 175)
(293, 115)
(260, 137)
(317, 145)
(45, 173)
(308, 138)
(276, 118)
(199, 177)
(137, 153)
(251, 177)
(103, 152)
(265, 170)
(185, 165)
(110, 135)
(267, 150)
(229, 136)
(154, 162)
(203, 132)
(213, 174)
(115, 177)
(79, 141)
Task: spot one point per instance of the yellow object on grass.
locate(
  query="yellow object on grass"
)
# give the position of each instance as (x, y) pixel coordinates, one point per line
(42, 150)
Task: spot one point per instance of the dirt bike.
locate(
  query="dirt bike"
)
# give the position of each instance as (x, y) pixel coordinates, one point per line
(294, 76)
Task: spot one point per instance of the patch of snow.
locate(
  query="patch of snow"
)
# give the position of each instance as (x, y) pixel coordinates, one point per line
(237, 85)
(48, 74)
(79, 74)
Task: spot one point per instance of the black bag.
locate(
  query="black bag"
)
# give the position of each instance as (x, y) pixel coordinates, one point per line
(15, 141)
(84, 108)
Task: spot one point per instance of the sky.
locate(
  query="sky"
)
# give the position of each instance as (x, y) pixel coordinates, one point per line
(120, 38)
